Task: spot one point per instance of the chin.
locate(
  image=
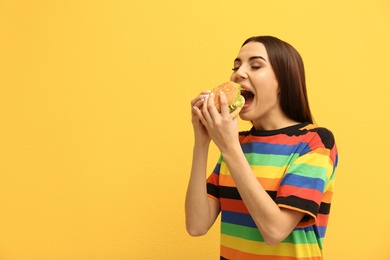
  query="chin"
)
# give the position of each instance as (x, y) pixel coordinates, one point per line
(244, 116)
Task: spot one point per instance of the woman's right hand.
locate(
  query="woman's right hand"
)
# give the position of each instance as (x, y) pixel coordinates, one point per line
(200, 131)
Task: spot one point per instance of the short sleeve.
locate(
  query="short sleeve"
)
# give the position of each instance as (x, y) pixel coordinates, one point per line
(309, 178)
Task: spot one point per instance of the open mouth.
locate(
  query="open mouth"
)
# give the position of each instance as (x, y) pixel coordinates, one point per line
(249, 96)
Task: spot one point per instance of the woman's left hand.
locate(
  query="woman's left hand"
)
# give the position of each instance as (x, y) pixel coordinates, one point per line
(222, 129)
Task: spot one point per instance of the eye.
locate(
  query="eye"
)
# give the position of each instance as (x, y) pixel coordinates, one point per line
(256, 67)
(236, 65)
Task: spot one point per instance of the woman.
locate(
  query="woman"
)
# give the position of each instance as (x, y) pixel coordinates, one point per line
(274, 183)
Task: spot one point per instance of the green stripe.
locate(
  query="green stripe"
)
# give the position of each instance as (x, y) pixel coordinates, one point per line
(241, 232)
(270, 159)
(315, 171)
(298, 236)
(220, 159)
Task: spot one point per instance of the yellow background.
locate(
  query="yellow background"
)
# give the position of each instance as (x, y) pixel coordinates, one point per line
(95, 132)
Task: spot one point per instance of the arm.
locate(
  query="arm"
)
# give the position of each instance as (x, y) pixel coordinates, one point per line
(201, 211)
(274, 223)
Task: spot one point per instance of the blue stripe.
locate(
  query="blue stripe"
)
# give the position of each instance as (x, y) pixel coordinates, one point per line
(237, 218)
(320, 231)
(217, 168)
(303, 182)
(277, 149)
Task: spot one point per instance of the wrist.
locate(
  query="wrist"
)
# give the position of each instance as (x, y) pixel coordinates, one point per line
(233, 151)
(201, 145)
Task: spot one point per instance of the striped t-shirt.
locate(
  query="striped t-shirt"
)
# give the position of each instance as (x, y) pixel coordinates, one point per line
(296, 166)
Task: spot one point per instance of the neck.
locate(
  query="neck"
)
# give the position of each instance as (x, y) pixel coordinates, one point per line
(274, 123)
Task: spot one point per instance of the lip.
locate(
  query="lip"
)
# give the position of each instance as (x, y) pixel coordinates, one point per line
(245, 87)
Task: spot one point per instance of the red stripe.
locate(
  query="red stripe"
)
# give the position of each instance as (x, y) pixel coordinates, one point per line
(322, 220)
(277, 139)
(304, 193)
(230, 253)
(233, 205)
(213, 179)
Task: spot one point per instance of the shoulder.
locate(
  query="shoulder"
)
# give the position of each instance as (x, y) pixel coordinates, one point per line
(323, 134)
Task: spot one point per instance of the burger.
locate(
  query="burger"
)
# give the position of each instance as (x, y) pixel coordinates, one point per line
(233, 95)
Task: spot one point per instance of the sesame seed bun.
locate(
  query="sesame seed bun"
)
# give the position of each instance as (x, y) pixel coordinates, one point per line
(232, 92)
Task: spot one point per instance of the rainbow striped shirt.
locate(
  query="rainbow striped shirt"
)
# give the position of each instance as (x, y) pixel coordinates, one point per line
(296, 166)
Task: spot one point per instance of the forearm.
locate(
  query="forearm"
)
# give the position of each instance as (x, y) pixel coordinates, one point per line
(198, 214)
(273, 223)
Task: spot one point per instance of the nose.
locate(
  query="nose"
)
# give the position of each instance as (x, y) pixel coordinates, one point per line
(239, 74)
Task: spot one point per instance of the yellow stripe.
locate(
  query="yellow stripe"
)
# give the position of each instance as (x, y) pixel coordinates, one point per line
(314, 159)
(261, 248)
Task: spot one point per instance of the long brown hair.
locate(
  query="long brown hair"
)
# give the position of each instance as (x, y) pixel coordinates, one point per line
(289, 70)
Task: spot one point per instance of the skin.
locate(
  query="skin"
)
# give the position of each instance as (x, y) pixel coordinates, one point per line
(254, 72)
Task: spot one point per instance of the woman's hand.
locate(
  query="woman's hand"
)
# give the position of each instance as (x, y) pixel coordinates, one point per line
(221, 128)
(200, 131)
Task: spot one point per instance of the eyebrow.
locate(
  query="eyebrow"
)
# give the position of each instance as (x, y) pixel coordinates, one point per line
(251, 58)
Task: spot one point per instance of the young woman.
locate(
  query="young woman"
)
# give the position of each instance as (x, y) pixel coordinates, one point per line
(274, 183)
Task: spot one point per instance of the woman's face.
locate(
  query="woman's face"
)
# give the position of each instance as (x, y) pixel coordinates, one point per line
(253, 71)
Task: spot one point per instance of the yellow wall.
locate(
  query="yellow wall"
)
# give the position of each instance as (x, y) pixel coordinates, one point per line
(95, 132)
